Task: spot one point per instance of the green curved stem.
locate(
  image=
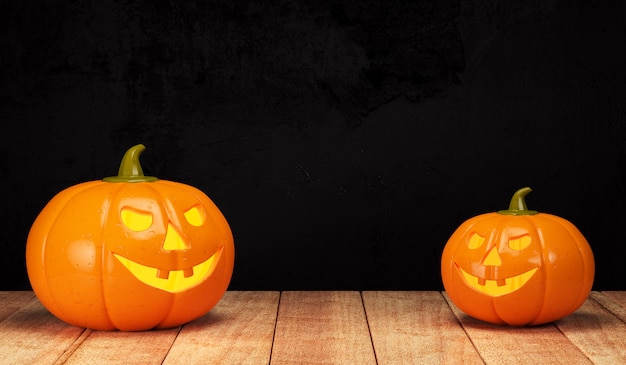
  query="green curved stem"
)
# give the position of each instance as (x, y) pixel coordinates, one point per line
(518, 204)
(130, 168)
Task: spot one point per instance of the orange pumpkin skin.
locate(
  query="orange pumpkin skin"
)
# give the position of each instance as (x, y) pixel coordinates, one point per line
(525, 269)
(90, 266)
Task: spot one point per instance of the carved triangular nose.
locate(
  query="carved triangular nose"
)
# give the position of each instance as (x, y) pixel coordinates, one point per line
(492, 258)
(173, 240)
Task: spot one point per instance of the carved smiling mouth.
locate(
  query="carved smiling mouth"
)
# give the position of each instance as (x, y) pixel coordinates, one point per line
(496, 288)
(173, 281)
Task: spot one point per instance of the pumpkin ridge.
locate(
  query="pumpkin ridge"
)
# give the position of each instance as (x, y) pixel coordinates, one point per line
(542, 241)
(567, 226)
(69, 194)
(103, 254)
(93, 185)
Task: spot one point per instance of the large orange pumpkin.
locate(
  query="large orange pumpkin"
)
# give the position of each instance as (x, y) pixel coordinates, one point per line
(517, 266)
(130, 252)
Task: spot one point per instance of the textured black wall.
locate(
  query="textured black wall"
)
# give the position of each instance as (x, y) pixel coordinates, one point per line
(344, 141)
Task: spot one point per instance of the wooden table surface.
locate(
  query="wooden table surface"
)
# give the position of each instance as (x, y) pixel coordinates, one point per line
(323, 327)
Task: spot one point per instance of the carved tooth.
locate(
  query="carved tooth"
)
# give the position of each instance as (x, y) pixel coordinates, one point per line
(163, 274)
(188, 272)
(501, 282)
(481, 281)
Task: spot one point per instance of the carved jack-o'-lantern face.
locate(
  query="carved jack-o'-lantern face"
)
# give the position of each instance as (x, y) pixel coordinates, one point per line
(146, 223)
(171, 278)
(131, 252)
(517, 266)
(498, 262)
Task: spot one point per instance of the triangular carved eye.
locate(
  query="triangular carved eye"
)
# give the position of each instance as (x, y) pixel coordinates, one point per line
(136, 220)
(475, 241)
(195, 216)
(520, 243)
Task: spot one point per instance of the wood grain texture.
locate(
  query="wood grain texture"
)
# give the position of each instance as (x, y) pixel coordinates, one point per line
(416, 328)
(123, 348)
(336, 327)
(327, 327)
(504, 345)
(11, 301)
(32, 335)
(618, 297)
(239, 330)
(596, 332)
(614, 301)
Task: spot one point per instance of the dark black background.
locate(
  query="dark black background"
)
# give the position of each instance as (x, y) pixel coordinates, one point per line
(344, 141)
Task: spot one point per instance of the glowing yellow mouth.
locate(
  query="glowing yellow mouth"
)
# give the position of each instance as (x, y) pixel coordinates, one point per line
(496, 288)
(173, 281)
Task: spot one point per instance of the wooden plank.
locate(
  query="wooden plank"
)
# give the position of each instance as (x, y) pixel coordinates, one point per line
(327, 327)
(239, 330)
(33, 336)
(596, 332)
(614, 301)
(11, 301)
(116, 347)
(416, 328)
(519, 345)
(617, 296)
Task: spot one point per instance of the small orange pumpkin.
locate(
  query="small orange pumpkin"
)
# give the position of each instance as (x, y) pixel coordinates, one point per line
(517, 266)
(130, 252)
